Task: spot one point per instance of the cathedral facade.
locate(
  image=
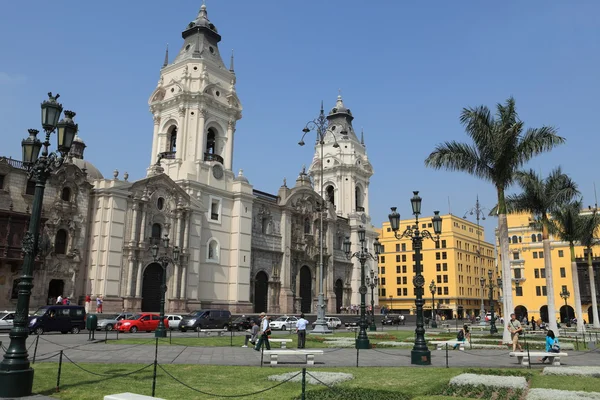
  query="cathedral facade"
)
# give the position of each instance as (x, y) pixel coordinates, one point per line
(240, 248)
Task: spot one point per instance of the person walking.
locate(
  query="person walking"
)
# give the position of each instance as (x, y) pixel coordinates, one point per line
(59, 300)
(301, 331)
(552, 345)
(264, 333)
(514, 326)
(253, 334)
(99, 304)
(88, 300)
(532, 323)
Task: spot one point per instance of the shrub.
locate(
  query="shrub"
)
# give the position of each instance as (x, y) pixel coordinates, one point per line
(354, 394)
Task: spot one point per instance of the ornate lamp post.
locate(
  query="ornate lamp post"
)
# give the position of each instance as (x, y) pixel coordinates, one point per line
(420, 354)
(320, 125)
(565, 294)
(164, 261)
(482, 308)
(432, 289)
(493, 328)
(362, 341)
(372, 282)
(16, 375)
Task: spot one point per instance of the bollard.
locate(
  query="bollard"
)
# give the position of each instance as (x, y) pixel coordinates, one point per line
(231, 332)
(117, 334)
(37, 339)
(596, 337)
(170, 335)
(262, 353)
(59, 369)
(528, 355)
(357, 351)
(303, 383)
(155, 364)
(447, 355)
(105, 335)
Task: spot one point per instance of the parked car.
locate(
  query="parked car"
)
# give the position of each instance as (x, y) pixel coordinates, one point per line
(6, 320)
(205, 319)
(57, 318)
(393, 319)
(242, 323)
(283, 323)
(332, 322)
(352, 323)
(140, 322)
(108, 321)
(174, 321)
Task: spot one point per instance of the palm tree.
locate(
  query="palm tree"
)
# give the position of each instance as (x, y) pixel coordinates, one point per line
(567, 224)
(588, 239)
(500, 147)
(541, 197)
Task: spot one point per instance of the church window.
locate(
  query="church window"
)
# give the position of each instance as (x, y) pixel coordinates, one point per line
(60, 242)
(212, 250)
(330, 194)
(160, 203)
(307, 226)
(173, 140)
(539, 237)
(66, 194)
(211, 138)
(359, 199)
(515, 239)
(215, 210)
(156, 233)
(266, 225)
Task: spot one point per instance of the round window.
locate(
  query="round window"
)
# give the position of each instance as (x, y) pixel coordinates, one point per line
(218, 93)
(187, 47)
(160, 203)
(212, 51)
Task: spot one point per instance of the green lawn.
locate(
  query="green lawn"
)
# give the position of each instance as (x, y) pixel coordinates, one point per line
(77, 384)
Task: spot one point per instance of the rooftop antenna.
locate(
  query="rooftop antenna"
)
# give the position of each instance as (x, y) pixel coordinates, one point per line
(449, 207)
(595, 197)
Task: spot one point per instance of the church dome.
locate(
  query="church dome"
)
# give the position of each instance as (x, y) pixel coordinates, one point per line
(202, 20)
(340, 108)
(76, 154)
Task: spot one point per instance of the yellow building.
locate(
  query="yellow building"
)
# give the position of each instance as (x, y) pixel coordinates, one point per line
(453, 264)
(527, 267)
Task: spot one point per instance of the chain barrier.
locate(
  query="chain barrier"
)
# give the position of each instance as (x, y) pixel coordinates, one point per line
(390, 354)
(486, 355)
(47, 358)
(78, 347)
(225, 395)
(105, 375)
(330, 387)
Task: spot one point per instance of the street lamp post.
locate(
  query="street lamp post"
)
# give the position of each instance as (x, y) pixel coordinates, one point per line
(320, 125)
(432, 289)
(493, 328)
(362, 341)
(420, 354)
(565, 294)
(372, 282)
(482, 308)
(164, 261)
(16, 374)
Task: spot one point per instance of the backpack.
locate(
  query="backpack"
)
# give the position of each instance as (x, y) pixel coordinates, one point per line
(555, 347)
(460, 335)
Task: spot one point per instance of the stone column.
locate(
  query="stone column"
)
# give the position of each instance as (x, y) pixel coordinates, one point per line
(143, 224)
(228, 156)
(201, 135)
(179, 143)
(138, 286)
(134, 223)
(155, 140)
(185, 250)
(130, 275)
(176, 239)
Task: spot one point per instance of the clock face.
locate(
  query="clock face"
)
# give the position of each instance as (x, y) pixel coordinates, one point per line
(419, 281)
(362, 290)
(217, 171)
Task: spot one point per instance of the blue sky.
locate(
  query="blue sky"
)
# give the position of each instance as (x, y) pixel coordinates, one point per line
(406, 69)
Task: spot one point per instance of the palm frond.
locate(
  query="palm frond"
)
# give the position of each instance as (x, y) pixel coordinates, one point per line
(457, 156)
(566, 222)
(589, 229)
(479, 125)
(536, 141)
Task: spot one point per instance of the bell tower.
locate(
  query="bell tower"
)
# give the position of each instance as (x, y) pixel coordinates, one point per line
(195, 106)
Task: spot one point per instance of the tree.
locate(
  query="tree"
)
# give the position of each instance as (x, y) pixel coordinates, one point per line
(567, 224)
(500, 148)
(589, 239)
(541, 197)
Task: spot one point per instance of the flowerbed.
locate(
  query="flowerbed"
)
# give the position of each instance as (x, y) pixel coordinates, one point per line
(555, 394)
(314, 378)
(573, 371)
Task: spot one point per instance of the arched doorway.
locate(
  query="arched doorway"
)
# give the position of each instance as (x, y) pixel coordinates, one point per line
(305, 289)
(151, 288)
(544, 313)
(55, 289)
(566, 314)
(260, 292)
(520, 312)
(590, 317)
(339, 293)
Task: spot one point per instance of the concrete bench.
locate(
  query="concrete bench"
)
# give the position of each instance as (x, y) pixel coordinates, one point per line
(441, 344)
(524, 359)
(220, 332)
(310, 355)
(129, 396)
(282, 342)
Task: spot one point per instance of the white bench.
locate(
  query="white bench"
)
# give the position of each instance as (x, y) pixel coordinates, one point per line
(310, 355)
(282, 342)
(442, 343)
(220, 332)
(129, 396)
(524, 359)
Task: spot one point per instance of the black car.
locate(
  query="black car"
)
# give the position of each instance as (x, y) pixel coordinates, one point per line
(391, 319)
(205, 319)
(242, 323)
(57, 319)
(352, 323)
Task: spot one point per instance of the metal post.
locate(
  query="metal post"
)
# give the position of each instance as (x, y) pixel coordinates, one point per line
(493, 328)
(446, 355)
(303, 383)
(433, 313)
(362, 342)
(155, 365)
(373, 327)
(161, 331)
(37, 339)
(170, 336)
(419, 354)
(59, 370)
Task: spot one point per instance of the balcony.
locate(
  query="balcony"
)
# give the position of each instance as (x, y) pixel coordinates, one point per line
(213, 157)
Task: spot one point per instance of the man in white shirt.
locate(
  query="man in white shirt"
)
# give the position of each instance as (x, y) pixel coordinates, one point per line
(301, 331)
(264, 333)
(59, 299)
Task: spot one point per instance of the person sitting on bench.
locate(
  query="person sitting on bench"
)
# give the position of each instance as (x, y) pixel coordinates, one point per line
(552, 345)
(253, 334)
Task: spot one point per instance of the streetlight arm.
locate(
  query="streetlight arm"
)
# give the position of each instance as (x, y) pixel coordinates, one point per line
(411, 232)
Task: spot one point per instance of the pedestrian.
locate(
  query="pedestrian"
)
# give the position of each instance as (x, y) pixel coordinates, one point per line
(301, 331)
(264, 333)
(253, 334)
(462, 336)
(99, 303)
(59, 299)
(532, 323)
(88, 300)
(514, 326)
(552, 345)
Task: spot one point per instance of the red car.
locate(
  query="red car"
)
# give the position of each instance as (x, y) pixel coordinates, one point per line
(140, 322)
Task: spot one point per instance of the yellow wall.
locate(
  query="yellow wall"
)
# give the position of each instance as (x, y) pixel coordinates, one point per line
(526, 255)
(457, 276)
